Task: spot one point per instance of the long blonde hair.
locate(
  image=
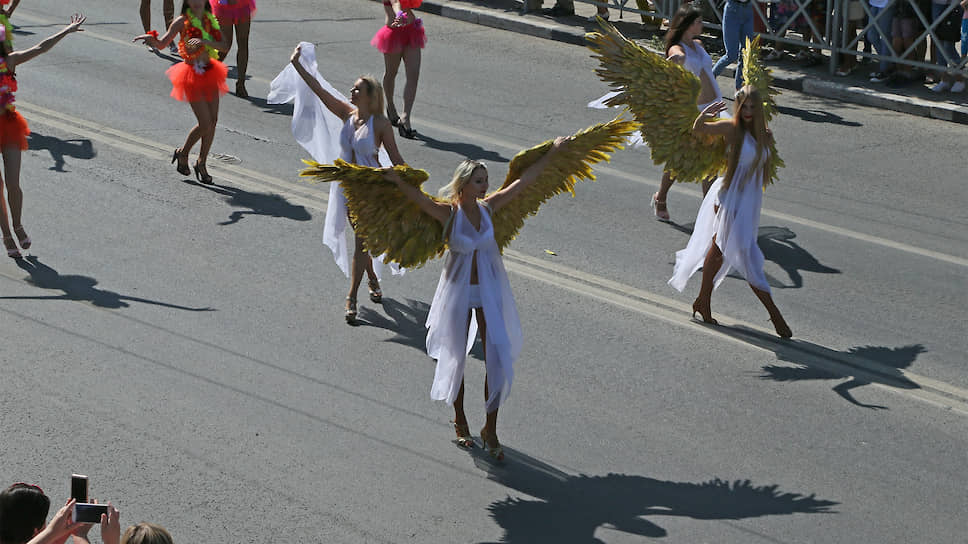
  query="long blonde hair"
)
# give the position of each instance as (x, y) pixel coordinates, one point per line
(462, 176)
(758, 130)
(146, 533)
(375, 92)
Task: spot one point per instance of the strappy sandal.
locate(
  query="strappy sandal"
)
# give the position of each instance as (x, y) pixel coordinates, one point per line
(351, 310)
(376, 295)
(663, 214)
(22, 237)
(181, 167)
(12, 253)
(496, 452)
(405, 132)
(464, 438)
(394, 119)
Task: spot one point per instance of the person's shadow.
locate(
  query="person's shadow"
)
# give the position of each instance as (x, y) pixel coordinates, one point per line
(463, 149)
(78, 149)
(777, 246)
(817, 116)
(568, 509)
(407, 320)
(877, 364)
(268, 204)
(81, 288)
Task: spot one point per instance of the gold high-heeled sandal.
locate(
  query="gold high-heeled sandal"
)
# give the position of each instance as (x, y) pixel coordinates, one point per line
(496, 452)
(464, 438)
(351, 310)
(706, 313)
(22, 237)
(376, 295)
(661, 215)
(12, 250)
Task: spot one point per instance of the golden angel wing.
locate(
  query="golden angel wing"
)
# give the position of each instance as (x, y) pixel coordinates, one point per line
(662, 95)
(759, 76)
(389, 223)
(567, 167)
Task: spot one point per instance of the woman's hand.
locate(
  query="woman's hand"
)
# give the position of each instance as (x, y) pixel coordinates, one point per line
(75, 25)
(192, 44)
(294, 58)
(560, 143)
(111, 526)
(713, 109)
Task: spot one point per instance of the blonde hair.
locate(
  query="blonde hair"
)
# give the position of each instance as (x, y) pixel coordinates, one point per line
(375, 92)
(758, 130)
(146, 533)
(462, 176)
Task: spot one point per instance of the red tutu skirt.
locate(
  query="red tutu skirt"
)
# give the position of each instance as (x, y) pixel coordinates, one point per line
(13, 130)
(410, 4)
(239, 12)
(188, 85)
(395, 40)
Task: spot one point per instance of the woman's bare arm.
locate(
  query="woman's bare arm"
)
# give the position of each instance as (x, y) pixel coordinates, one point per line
(438, 210)
(498, 199)
(20, 57)
(340, 109)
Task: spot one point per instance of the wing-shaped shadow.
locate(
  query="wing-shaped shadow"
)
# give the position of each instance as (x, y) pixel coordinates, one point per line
(267, 204)
(75, 148)
(407, 320)
(462, 148)
(569, 508)
(876, 364)
(81, 288)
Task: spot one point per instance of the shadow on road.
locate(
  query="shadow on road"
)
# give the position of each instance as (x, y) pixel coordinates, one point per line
(567, 509)
(777, 246)
(463, 149)
(879, 364)
(78, 149)
(818, 116)
(407, 320)
(268, 204)
(81, 288)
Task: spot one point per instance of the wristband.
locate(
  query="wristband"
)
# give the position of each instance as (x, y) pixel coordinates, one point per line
(152, 33)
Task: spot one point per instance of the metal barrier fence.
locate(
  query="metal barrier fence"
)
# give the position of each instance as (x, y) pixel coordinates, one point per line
(835, 26)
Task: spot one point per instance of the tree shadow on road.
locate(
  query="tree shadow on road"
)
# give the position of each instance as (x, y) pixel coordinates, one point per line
(568, 509)
(267, 204)
(873, 364)
(58, 148)
(81, 288)
(778, 246)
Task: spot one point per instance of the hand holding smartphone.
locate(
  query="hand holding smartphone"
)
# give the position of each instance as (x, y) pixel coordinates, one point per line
(85, 512)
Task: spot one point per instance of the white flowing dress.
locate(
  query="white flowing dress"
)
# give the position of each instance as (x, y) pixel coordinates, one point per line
(735, 225)
(452, 331)
(325, 137)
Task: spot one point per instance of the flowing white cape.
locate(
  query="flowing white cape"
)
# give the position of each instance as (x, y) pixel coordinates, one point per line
(317, 130)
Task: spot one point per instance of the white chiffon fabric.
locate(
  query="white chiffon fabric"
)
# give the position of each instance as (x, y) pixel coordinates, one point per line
(735, 225)
(451, 332)
(324, 136)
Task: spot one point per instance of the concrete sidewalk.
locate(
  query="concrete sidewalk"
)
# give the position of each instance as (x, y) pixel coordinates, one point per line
(914, 99)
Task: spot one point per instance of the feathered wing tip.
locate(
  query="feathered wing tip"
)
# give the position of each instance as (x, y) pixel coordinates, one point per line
(389, 223)
(568, 166)
(757, 75)
(662, 96)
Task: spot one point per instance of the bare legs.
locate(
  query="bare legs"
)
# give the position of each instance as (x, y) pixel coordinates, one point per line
(362, 262)
(241, 55)
(659, 198)
(411, 62)
(168, 10)
(11, 207)
(489, 432)
(702, 304)
(207, 115)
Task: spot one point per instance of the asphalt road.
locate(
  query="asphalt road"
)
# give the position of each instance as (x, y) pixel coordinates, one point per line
(184, 345)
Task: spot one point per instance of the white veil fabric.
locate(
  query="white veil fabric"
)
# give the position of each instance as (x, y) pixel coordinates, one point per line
(317, 130)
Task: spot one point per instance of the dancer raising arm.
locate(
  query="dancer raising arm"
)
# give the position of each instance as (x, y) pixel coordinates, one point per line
(13, 134)
(235, 17)
(365, 130)
(199, 80)
(729, 217)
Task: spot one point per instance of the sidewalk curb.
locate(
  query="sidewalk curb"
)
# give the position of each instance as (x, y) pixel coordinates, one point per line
(513, 21)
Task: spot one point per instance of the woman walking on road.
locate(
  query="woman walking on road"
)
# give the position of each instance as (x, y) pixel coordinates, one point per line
(199, 80)
(729, 217)
(13, 135)
(235, 17)
(401, 38)
(365, 130)
(167, 10)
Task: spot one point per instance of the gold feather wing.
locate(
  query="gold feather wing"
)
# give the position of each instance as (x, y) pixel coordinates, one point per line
(662, 96)
(759, 76)
(389, 223)
(568, 166)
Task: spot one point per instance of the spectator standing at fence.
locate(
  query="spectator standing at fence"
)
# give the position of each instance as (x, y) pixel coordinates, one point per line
(905, 29)
(879, 34)
(737, 26)
(562, 8)
(964, 27)
(855, 14)
(944, 48)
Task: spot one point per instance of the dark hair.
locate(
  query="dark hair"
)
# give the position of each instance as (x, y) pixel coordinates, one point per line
(23, 511)
(681, 21)
(208, 7)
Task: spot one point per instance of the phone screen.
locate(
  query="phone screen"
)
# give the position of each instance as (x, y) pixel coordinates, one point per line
(89, 513)
(79, 487)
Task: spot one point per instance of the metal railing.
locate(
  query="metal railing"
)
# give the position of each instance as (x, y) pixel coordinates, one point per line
(828, 28)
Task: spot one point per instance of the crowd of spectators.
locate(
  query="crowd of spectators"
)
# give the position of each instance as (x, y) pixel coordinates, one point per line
(23, 520)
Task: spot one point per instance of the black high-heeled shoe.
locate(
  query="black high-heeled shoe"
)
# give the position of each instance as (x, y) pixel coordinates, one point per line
(394, 119)
(201, 174)
(407, 133)
(182, 168)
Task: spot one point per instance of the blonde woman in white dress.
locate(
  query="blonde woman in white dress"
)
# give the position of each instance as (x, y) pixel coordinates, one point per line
(726, 228)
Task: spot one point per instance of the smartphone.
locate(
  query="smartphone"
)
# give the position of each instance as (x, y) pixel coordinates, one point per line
(89, 513)
(79, 487)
